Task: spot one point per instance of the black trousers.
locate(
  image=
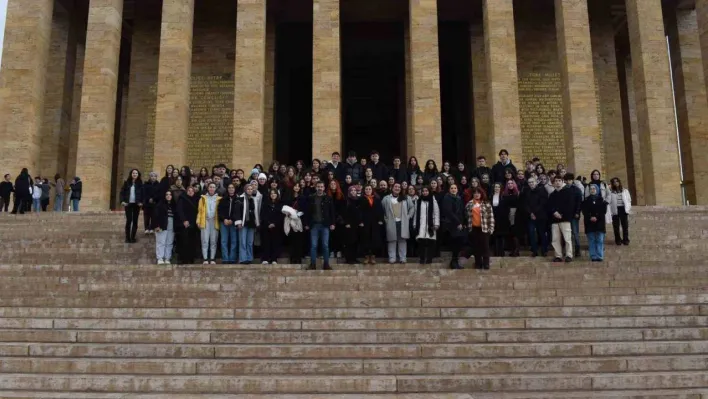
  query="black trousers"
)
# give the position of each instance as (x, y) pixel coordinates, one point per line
(21, 204)
(350, 243)
(132, 212)
(45, 204)
(620, 218)
(296, 246)
(480, 246)
(271, 241)
(4, 203)
(498, 245)
(188, 245)
(426, 250)
(148, 211)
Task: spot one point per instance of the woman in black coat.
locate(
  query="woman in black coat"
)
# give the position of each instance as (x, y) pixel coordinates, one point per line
(351, 218)
(23, 196)
(189, 241)
(502, 225)
(272, 220)
(131, 198)
(452, 221)
(296, 239)
(372, 218)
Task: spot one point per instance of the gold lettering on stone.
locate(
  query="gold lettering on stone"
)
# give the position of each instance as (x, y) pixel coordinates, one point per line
(211, 112)
(541, 105)
(151, 112)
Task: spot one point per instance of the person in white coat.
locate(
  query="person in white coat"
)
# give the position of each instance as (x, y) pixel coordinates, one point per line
(426, 222)
(621, 207)
(398, 210)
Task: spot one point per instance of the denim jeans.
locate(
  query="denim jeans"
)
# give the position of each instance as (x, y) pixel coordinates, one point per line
(229, 243)
(596, 241)
(245, 239)
(37, 204)
(75, 205)
(319, 232)
(535, 226)
(58, 203)
(575, 228)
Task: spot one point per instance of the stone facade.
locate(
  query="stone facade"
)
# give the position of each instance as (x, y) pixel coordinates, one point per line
(199, 86)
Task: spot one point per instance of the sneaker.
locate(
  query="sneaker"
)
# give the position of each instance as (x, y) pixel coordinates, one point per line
(212, 263)
(625, 242)
(147, 231)
(485, 267)
(206, 262)
(264, 262)
(332, 255)
(568, 259)
(557, 260)
(312, 267)
(339, 254)
(167, 262)
(160, 262)
(273, 263)
(326, 267)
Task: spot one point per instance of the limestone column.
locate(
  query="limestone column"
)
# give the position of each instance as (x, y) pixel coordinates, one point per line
(249, 83)
(22, 83)
(58, 95)
(480, 107)
(654, 102)
(174, 78)
(269, 117)
(502, 78)
(691, 102)
(94, 154)
(75, 112)
(582, 129)
(608, 90)
(636, 152)
(326, 79)
(426, 132)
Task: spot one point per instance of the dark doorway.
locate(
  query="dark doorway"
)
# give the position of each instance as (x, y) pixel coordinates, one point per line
(455, 91)
(373, 87)
(293, 92)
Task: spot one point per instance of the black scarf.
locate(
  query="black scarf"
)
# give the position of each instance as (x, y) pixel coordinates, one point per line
(429, 200)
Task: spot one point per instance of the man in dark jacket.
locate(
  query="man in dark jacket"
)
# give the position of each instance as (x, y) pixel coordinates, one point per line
(398, 173)
(380, 170)
(500, 167)
(353, 168)
(534, 203)
(319, 220)
(561, 208)
(481, 168)
(6, 189)
(338, 168)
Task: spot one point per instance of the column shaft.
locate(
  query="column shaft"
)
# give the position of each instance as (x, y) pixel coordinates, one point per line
(326, 79)
(249, 83)
(173, 84)
(269, 117)
(480, 107)
(582, 129)
(636, 152)
(608, 89)
(426, 131)
(98, 103)
(22, 82)
(75, 112)
(502, 77)
(691, 103)
(655, 110)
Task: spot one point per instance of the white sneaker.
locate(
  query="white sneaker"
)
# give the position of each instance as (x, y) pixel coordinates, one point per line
(339, 254)
(274, 263)
(332, 255)
(264, 263)
(206, 262)
(160, 262)
(147, 231)
(167, 262)
(212, 263)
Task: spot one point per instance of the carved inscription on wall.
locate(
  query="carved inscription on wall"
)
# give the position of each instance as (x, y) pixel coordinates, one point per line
(211, 121)
(150, 132)
(541, 106)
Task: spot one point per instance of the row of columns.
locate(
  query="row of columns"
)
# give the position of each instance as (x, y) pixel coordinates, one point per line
(23, 85)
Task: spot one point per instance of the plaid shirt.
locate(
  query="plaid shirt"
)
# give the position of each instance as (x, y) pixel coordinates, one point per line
(487, 217)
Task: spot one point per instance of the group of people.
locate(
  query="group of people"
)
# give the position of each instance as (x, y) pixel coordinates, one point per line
(34, 194)
(364, 208)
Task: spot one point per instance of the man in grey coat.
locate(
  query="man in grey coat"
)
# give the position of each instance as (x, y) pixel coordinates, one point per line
(398, 212)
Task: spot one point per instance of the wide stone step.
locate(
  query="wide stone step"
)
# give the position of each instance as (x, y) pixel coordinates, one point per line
(354, 384)
(351, 366)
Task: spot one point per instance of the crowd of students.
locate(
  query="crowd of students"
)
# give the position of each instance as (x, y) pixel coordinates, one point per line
(33, 194)
(363, 208)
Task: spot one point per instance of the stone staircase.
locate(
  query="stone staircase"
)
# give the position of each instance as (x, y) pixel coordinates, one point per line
(83, 315)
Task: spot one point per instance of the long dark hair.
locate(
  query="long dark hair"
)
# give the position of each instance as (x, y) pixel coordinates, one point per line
(619, 185)
(129, 180)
